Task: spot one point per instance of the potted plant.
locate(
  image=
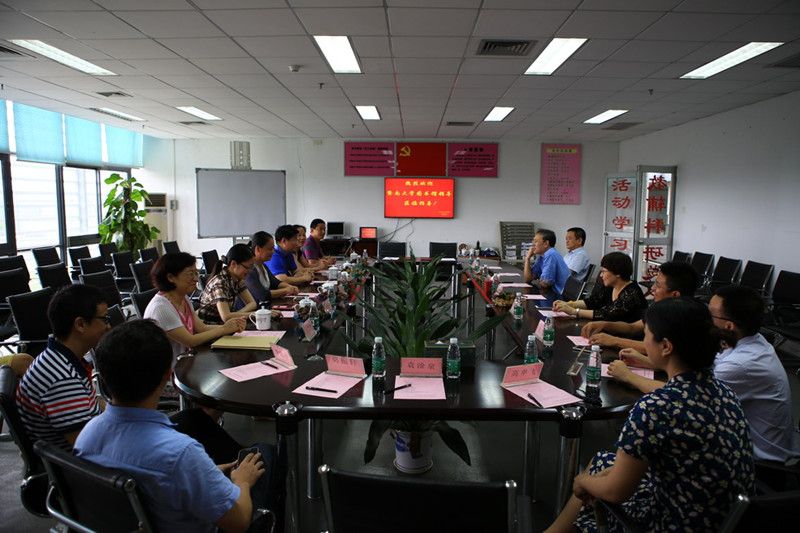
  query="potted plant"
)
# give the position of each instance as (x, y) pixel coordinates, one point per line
(124, 222)
(411, 309)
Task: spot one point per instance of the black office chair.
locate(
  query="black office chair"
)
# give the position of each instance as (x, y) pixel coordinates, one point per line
(88, 497)
(702, 264)
(391, 249)
(148, 254)
(106, 250)
(171, 247)
(725, 273)
(141, 275)
(76, 253)
(122, 262)
(54, 276)
(141, 300)
(13, 262)
(757, 276)
(767, 512)
(33, 488)
(784, 304)
(11, 282)
(572, 289)
(210, 259)
(115, 316)
(105, 282)
(445, 249)
(92, 265)
(365, 502)
(30, 315)
(46, 256)
(681, 257)
(588, 277)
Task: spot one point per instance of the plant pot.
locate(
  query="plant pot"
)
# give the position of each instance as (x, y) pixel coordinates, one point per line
(413, 451)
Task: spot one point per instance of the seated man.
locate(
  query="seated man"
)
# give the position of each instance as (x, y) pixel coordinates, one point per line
(282, 263)
(56, 397)
(576, 257)
(182, 487)
(312, 250)
(549, 271)
(675, 279)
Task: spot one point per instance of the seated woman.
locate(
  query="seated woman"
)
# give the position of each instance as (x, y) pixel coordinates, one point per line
(616, 299)
(260, 282)
(225, 285)
(684, 454)
(175, 276)
(303, 264)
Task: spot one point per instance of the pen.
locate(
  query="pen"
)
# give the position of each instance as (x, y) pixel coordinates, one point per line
(535, 401)
(397, 388)
(269, 364)
(320, 389)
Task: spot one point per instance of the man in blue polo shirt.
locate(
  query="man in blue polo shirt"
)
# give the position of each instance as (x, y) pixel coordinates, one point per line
(549, 271)
(282, 263)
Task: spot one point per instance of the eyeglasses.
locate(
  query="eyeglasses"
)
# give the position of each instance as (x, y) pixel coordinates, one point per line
(191, 274)
(104, 318)
(721, 318)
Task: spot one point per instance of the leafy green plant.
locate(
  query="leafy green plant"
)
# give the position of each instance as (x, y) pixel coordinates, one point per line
(124, 222)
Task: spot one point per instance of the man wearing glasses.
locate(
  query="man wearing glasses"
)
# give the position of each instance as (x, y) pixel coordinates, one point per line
(56, 397)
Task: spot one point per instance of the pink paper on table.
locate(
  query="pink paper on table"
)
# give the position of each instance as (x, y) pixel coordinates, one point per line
(251, 371)
(321, 281)
(577, 340)
(287, 314)
(420, 389)
(534, 297)
(340, 384)
(508, 274)
(341, 364)
(513, 286)
(494, 268)
(276, 334)
(309, 294)
(540, 331)
(553, 314)
(648, 373)
(545, 394)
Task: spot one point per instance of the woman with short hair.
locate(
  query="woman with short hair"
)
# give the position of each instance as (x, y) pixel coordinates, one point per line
(226, 285)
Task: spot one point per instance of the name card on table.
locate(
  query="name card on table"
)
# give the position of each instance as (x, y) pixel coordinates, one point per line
(308, 294)
(503, 286)
(308, 330)
(553, 314)
(540, 331)
(323, 281)
(519, 374)
(345, 366)
(534, 297)
(508, 274)
(578, 340)
(326, 305)
(283, 356)
(287, 314)
(421, 366)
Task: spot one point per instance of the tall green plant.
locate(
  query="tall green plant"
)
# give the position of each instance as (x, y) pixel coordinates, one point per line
(124, 222)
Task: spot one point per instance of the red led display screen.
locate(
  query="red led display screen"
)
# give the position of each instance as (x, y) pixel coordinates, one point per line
(418, 197)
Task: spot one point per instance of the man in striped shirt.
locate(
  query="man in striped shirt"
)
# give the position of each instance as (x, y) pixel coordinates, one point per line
(56, 397)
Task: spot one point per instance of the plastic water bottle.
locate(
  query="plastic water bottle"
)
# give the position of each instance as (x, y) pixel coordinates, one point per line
(519, 308)
(313, 314)
(453, 359)
(378, 358)
(530, 351)
(594, 369)
(549, 334)
(495, 284)
(365, 256)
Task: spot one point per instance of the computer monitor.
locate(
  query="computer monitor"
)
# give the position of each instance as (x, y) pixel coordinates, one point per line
(335, 229)
(368, 232)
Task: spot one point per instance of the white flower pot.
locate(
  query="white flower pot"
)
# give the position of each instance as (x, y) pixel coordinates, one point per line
(413, 451)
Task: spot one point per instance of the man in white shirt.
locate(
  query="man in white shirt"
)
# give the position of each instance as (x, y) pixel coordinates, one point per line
(576, 257)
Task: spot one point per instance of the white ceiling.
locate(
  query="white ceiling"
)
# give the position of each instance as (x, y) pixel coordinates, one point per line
(231, 58)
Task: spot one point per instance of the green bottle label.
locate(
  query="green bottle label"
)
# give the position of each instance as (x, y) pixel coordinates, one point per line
(453, 366)
(378, 366)
(593, 374)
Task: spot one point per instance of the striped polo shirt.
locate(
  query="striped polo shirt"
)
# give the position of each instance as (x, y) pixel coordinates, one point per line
(56, 395)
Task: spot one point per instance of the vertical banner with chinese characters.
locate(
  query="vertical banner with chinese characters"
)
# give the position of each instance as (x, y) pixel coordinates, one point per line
(620, 213)
(654, 245)
(560, 177)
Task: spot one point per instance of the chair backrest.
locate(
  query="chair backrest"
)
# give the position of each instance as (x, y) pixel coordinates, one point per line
(89, 495)
(105, 282)
(30, 315)
(445, 249)
(148, 254)
(589, 272)
(768, 512)
(726, 271)
(756, 276)
(572, 289)
(171, 247)
(13, 262)
(78, 252)
(141, 275)
(787, 288)
(115, 315)
(702, 264)
(391, 249)
(54, 276)
(92, 265)
(141, 299)
(681, 257)
(106, 250)
(210, 259)
(46, 256)
(8, 408)
(122, 263)
(13, 282)
(359, 502)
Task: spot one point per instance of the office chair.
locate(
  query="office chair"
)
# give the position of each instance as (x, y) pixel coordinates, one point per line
(148, 254)
(391, 249)
(54, 276)
(171, 247)
(30, 315)
(46, 256)
(141, 275)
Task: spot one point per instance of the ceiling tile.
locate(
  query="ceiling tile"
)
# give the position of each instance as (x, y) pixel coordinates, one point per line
(207, 47)
(434, 3)
(770, 28)
(234, 65)
(211, 93)
(39, 67)
(366, 46)
(286, 46)
(665, 51)
(241, 81)
(406, 65)
(164, 66)
(191, 82)
(254, 22)
(307, 65)
(87, 24)
(30, 6)
(343, 21)
(291, 79)
(692, 26)
(366, 80)
(626, 69)
(606, 24)
(137, 82)
(131, 48)
(602, 84)
(18, 26)
(170, 23)
(144, 5)
(377, 65)
(435, 22)
(519, 24)
(238, 4)
(429, 46)
(405, 81)
(726, 6)
(494, 65)
(598, 49)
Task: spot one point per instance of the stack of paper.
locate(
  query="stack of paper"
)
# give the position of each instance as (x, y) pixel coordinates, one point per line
(231, 342)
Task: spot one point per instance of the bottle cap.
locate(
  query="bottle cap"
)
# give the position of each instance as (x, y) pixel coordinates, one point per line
(519, 294)
(595, 347)
(531, 338)
(379, 340)
(453, 340)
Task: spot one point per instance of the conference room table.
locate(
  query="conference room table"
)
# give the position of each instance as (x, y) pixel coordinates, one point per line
(476, 395)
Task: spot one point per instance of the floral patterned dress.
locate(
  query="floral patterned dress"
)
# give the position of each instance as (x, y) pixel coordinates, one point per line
(694, 436)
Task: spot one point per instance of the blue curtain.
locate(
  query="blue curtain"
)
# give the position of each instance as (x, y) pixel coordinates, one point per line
(39, 134)
(84, 144)
(124, 147)
(3, 128)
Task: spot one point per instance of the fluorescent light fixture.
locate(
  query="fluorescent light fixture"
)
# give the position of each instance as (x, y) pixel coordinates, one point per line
(498, 114)
(605, 116)
(553, 56)
(62, 57)
(740, 55)
(338, 53)
(368, 112)
(198, 112)
(120, 114)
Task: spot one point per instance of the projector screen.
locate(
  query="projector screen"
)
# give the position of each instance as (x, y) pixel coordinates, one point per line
(418, 197)
(233, 203)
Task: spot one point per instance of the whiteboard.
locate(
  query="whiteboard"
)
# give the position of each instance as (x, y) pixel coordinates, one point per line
(232, 203)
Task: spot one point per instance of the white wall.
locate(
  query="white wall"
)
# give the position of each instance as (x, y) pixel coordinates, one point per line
(316, 187)
(738, 180)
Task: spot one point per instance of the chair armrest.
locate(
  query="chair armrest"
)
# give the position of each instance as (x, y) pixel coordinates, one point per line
(263, 520)
(629, 525)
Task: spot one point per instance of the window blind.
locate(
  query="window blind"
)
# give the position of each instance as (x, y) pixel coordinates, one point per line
(3, 128)
(124, 147)
(39, 134)
(84, 144)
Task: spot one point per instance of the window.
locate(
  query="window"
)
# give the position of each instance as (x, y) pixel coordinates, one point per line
(80, 201)
(105, 188)
(35, 204)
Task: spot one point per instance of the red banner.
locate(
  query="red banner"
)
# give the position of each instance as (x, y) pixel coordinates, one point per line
(418, 197)
(421, 159)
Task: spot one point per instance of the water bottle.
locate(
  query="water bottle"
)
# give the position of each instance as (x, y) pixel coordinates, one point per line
(549, 334)
(495, 284)
(378, 358)
(594, 369)
(364, 256)
(519, 309)
(530, 351)
(313, 314)
(453, 359)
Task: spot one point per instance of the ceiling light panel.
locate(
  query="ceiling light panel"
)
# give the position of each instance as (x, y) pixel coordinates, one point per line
(368, 112)
(338, 53)
(198, 113)
(498, 114)
(65, 58)
(605, 116)
(554, 55)
(740, 55)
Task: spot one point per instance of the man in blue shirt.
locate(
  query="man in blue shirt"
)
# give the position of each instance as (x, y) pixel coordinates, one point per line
(282, 263)
(576, 257)
(549, 271)
(182, 487)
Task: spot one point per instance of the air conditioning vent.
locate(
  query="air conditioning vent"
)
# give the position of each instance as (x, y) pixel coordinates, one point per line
(789, 62)
(460, 124)
(114, 94)
(617, 126)
(194, 123)
(98, 110)
(11, 53)
(501, 47)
